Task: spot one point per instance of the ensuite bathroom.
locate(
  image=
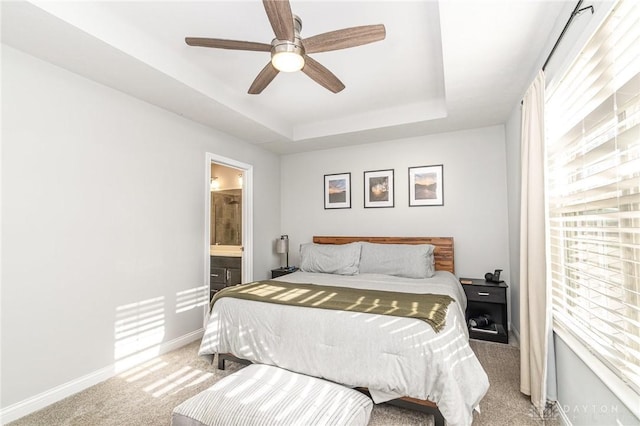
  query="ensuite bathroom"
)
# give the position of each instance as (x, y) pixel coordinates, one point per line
(226, 210)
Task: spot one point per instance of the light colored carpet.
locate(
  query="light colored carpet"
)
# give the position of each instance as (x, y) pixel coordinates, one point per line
(147, 394)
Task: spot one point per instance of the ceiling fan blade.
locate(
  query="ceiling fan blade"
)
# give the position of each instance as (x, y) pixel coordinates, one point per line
(321, 75)
(280, 17)
(219, 43)
(263, 79)
(342, 39)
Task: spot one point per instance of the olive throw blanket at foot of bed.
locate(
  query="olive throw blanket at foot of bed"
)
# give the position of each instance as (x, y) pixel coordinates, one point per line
(431, 308)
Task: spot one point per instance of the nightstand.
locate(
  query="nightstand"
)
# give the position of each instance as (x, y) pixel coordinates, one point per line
(485, 297)
(282, 271)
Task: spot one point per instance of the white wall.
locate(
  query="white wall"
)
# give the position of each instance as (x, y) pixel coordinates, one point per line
(582, 396)
(475, 200)
(103, 201)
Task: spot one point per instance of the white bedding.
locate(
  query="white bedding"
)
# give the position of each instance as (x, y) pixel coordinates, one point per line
(392, 356)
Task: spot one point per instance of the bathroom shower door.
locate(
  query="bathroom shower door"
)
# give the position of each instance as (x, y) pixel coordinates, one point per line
(226, 217)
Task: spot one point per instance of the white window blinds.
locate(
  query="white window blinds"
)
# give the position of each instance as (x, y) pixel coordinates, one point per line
(593, 194)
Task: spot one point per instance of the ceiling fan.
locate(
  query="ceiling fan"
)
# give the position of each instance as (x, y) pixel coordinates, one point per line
(289, 51)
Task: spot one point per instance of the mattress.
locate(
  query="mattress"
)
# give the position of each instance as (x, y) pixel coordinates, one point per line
(392, 356)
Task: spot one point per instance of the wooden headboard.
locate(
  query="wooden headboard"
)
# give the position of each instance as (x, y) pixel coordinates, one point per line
(443, 253)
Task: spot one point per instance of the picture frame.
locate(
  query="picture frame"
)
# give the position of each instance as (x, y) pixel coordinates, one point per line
(426, 186)
(337, 191)
(379, 189)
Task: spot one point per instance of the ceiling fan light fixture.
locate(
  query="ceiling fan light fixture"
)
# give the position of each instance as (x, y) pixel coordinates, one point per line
(288, 54)
(287, 61)
(287, 57)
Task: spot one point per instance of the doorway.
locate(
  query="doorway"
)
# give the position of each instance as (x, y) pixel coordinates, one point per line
(228, 230)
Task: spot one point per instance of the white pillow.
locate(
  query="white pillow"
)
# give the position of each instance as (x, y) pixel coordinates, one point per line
(402, 260)
(341, 259)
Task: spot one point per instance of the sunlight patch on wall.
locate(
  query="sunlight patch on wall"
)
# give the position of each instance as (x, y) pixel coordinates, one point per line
(139, 330)
(191, 299)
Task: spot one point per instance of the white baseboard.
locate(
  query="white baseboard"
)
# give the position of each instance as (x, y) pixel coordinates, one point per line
(563, 416)
(37, 402)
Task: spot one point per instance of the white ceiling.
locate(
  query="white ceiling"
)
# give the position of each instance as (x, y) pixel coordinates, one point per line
(443, 66)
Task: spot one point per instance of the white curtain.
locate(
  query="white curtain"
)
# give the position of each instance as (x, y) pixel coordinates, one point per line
(534, 295)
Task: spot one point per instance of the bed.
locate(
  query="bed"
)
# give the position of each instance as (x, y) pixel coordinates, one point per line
(403, 360)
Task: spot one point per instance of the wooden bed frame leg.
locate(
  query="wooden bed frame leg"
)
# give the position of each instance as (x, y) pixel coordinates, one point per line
(228, 357)
(427, 407)
(438, 419)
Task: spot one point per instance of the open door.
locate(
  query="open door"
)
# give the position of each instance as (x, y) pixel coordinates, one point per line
(228, 227)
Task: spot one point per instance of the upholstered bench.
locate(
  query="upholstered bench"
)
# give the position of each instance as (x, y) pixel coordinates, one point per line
(266, 395)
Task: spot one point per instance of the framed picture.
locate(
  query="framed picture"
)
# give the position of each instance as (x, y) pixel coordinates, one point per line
(378, 188)
(426, 186)
(337, 191)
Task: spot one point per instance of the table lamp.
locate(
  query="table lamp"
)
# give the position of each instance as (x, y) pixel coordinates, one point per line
(282, 247)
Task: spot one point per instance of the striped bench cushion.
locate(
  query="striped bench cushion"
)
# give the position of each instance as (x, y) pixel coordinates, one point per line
(266, 395)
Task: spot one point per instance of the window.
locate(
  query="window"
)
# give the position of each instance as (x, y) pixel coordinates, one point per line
(593, 194)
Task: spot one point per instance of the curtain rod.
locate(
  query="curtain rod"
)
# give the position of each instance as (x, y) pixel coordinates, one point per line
(576, 12)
